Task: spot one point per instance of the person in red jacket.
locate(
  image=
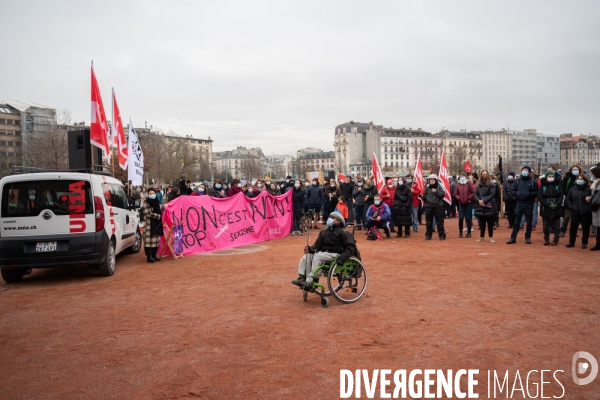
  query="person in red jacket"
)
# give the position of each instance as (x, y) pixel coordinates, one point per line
(465, 191)
(387, 196)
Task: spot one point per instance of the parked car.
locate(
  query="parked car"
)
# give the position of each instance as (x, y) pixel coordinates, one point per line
(57, 218)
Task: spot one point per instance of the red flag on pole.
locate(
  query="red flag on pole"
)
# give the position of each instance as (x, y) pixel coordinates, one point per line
(118, 134)
(378, 177)
(99, 131)
(419, 180)
(444, 179)
(342, 177)
(467, 167)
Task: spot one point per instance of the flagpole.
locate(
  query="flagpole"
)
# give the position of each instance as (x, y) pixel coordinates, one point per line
(91, 145)
(112, 155)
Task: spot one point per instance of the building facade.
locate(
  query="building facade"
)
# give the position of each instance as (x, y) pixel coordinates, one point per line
(524, 147)
(548, 150)
(494, 144)
(579, 150)
(350, 145)
(241, 163)
(279, 166)
(319, 161)
(11, 139)
(462, 146)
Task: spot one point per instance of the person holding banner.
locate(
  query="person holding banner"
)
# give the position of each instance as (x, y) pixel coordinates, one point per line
(433, 198)
(153, 228)
(335, 241)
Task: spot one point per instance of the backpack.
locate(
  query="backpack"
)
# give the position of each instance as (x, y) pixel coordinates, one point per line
(373, 234)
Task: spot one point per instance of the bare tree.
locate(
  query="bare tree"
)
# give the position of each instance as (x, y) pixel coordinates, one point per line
(456, 160)
(48, 147)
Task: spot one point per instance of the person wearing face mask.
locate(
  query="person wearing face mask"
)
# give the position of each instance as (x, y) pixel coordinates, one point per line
(186, 190)
(434, 207)
(173, 194)
(153, 228)
(485, 209)
(464, 195)
(274, 190)
(525, 191)
(226, 188)
(331, 193)
(201, 190)
(379, 215)
(314, 199)
(369, 191)
(416, 203)
(346, 189)
(551, 199)
(236, 187)
(289, 184)
(387, 196)
(402, 208)
(258, 188)
(217, 190)
(298, 205)
(567, 183)
(578, 202)
(510, 201)
(358, 200)
(335, 241)
(249, 191)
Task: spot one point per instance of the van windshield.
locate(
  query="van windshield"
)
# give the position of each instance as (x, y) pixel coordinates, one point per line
(29, 198)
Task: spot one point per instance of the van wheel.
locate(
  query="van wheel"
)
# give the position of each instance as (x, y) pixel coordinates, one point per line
(107, 268)
(137, 244)
(12, 275)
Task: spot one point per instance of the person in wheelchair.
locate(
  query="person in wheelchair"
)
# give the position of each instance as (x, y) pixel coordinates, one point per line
(335, 241)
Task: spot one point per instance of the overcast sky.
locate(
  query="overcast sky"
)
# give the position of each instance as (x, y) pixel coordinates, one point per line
(281, 75)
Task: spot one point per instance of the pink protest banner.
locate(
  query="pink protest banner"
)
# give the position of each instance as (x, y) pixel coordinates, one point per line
(215, 224)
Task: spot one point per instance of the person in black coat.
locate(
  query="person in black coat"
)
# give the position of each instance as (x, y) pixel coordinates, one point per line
(510, 201)
(525, 191)
(298, 204)
(485, 208)
(567, 183)
(403, 208)
(578, 202)
(346, 189)
(551, 198)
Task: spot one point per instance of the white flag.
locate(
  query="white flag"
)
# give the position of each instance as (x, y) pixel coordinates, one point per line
(136, 158)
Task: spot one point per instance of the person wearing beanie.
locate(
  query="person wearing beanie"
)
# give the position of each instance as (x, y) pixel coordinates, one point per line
(335, 241)
(379, 215)
(464, 194)
(434, 207)
(387, 194)
(346, 189)
(510, 201)
(551, 198)
(525, 191)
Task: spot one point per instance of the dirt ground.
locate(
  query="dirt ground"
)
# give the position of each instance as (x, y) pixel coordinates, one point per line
(233, 326)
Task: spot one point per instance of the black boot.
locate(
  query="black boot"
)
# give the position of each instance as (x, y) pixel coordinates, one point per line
(387, 233)
(399, 234)
(512, 240)
(407, 231)
(148, 252)
(155, 254)
(300, 281)
(555, 241)
(546, 241)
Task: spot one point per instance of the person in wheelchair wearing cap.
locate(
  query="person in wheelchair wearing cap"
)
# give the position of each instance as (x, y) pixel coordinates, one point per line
(332, 242)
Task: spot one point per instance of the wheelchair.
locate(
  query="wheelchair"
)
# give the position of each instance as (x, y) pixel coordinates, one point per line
(346, 283)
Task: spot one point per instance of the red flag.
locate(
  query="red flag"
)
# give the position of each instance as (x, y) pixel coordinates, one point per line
(342, 177)
(467, 167)
(99, 131)
(378, 177)
(444, 179)
(118, 134)
(419, 180)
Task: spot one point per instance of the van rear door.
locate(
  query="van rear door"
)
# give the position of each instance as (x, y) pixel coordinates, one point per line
(46, 206)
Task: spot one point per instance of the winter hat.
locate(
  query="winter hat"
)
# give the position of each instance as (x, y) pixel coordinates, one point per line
(338, 216)
(433, 176)
(527, 167)
(288, 177)
(511, 174)
(390, 181)
(206, 184)
(548, 173)
(316, 180)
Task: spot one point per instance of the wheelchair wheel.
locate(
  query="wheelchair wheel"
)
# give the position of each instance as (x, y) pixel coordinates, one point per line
(348, 282)
(324, 302)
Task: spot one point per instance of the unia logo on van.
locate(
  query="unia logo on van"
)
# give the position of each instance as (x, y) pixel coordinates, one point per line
(77, 207)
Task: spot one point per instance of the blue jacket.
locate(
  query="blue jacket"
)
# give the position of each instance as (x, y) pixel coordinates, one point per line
(525, 190)
(314, 195)
(384, 211)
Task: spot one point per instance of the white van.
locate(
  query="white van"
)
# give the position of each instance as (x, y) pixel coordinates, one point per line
(57, 218)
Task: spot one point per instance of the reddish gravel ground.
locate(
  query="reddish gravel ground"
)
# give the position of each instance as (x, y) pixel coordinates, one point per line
(232, 326)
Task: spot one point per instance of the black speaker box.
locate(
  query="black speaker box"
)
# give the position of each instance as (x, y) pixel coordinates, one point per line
(80, 150)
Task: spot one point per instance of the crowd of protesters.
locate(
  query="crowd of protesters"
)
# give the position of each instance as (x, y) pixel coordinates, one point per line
(563, 201)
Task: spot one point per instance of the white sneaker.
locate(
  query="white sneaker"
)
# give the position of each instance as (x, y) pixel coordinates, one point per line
(293, 233)
(299, 233)
(479, 240)
(492, 240)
